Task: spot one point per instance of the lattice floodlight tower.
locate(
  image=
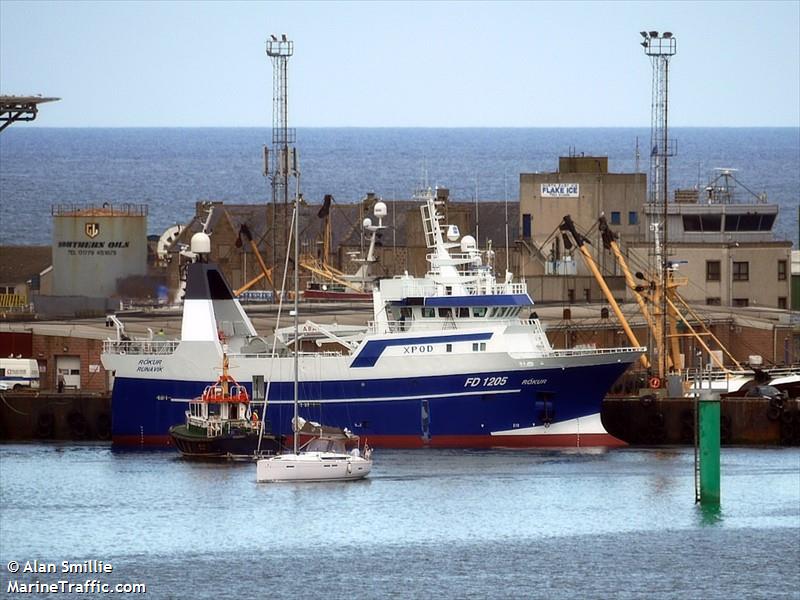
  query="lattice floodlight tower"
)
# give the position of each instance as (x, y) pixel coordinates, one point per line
(283, 137)
(660, 48)
(280, 162)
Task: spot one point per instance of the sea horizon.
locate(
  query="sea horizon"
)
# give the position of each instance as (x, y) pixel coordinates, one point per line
(171, 168)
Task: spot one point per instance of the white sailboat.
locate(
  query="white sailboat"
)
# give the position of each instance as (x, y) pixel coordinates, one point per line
(324, 457)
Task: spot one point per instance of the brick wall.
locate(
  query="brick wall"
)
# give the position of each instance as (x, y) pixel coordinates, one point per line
(48, 348)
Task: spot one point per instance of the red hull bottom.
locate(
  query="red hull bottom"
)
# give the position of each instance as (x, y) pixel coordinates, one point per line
(568, 440)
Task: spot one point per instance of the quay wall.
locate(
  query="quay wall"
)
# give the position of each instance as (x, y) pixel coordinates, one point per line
(31, 416)
(652, 421)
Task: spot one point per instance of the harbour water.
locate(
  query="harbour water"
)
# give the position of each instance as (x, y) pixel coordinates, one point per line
(429, 523)
(171, 169)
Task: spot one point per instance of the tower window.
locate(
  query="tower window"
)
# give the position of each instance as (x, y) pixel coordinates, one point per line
(781, 270)
(712, 270)
(741, 271)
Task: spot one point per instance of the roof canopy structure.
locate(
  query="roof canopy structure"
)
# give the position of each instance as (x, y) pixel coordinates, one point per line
(20, 108)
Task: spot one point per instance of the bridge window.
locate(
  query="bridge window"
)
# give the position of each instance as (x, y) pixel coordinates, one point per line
(463, 312)
(711, 222)
(479, 311)
(428, 312)
(749, 222)
(446, 313)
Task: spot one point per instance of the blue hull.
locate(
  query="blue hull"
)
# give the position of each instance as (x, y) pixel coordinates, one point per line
(446, 411)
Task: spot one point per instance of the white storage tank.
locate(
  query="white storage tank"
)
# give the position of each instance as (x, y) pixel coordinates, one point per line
(94, 246)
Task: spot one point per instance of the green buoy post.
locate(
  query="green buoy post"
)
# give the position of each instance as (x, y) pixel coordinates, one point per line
(709, 448)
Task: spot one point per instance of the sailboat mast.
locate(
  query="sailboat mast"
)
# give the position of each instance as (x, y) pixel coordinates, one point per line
(296, 318)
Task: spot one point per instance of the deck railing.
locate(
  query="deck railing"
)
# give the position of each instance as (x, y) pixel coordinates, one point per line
(417, 290)
(161, 347)
(592, 351)
(449, 324)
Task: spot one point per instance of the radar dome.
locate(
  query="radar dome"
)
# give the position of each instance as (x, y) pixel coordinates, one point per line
(468, 243)
(379, 210)
(201, 243)
(452, 233)
(366, 223)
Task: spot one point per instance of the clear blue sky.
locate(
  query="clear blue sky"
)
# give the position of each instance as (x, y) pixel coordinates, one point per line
(431, 64)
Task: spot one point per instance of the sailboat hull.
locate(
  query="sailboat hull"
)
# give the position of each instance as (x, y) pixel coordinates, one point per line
(312, 466)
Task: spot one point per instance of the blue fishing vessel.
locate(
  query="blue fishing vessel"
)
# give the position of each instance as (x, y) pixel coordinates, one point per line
(452, 359)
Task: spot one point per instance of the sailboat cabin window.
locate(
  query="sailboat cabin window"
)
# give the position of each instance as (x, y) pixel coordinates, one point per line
(478, 311)
(428, 312)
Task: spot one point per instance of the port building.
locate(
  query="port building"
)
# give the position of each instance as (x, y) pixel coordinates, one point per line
(721, 242)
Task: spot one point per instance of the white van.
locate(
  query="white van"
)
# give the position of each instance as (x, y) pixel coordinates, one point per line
(18, 373)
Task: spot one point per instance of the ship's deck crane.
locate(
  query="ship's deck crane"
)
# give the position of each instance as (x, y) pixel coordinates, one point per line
(246, 237)
(673, 298)
(568, 227)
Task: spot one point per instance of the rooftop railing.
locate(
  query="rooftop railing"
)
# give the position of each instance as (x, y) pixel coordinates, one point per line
(105, 210)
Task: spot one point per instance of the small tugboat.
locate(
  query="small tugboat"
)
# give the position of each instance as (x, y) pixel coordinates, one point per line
(220, 424)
